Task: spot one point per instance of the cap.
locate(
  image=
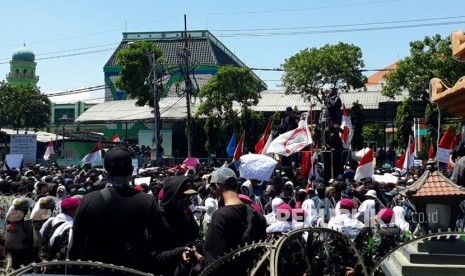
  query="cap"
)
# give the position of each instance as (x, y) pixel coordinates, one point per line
(61, 188)
(371, 193)
(224, 176)
(118, 162)
(289, 109)
(347, 204)
(70, 203)
(386, 215)
(189, 188)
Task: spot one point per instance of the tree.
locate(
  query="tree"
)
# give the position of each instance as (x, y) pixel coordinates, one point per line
(357, 116)
(373, 132)
(430, 58)
(24, 108)
(404, 121)
(333, 66)
(136, 78)
(230, 85)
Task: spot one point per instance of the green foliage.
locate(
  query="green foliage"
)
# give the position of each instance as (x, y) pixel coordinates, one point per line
(253, 123)
(276, 121)
(23, 108)
(337, 66)
(404, 122)
(373, 132)
(136, 64)
(430, 58)
(431, 115)
(232, 84)
(357, 116)
(212, 128)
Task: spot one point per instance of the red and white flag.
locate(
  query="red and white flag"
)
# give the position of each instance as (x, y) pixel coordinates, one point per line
(263, 140)
(443, 151)
(94, 155)
(365, 167)
(49, 152)
(347, 129)
(291, 141)
(409, 156)
(115, 138)
(400, 161)
(267, 145)
(238, 151)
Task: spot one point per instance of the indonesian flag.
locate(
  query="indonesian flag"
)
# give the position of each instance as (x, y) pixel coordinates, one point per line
(442, 154)
(238, 151)
(267, 145)
(49, 152)
(94, 155)
(365, 167)
(409, 156)
(115, 138)
(262, 142)
(347, 129)
(291, 141)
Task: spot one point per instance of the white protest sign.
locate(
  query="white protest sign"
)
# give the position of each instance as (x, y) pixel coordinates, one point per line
(13, 161)
(256, 166)
(140, 180)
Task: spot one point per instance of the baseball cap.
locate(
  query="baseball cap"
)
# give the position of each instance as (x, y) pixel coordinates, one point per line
(189, 188)
(118, 162)
(224, 176)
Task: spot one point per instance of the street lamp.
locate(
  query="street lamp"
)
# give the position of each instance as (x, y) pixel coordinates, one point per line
(152, 79)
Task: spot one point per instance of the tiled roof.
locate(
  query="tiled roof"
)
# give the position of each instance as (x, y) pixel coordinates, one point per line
(434, 184)
(378, 77)
(201, 52)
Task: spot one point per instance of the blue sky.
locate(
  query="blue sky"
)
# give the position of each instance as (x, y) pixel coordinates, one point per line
(53, 28)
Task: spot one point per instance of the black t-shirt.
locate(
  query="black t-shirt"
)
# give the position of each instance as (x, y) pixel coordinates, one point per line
(231, 226)
(112, 232)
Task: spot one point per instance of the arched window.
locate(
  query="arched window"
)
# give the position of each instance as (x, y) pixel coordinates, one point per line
(25, 72)
(17, 72)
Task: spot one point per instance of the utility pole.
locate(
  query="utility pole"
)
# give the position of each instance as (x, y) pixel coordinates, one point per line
(154, 152)
(188, 89)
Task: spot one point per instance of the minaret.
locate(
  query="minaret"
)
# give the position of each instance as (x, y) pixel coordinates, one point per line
(22, 68)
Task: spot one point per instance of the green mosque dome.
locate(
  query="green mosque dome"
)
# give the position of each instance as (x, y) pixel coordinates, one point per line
(23, 54)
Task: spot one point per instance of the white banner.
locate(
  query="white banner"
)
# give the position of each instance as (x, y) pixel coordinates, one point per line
(140, 180)
(256, 166)
(442, 155)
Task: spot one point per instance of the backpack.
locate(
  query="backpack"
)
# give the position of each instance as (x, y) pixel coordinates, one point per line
(48, 252)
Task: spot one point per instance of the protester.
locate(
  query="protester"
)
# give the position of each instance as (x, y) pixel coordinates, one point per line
(19, 237)
(116, 219)
(55, 232)
(234, 223)
(180, 229)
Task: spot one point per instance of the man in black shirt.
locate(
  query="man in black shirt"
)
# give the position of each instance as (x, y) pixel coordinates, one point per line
(110, 225)
(234, 223)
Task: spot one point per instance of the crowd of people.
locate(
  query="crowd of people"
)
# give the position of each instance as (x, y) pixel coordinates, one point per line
(186, 217)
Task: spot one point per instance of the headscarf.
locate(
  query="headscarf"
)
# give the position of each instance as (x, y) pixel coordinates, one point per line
(311, 213)
(399, 219)
(271, 217)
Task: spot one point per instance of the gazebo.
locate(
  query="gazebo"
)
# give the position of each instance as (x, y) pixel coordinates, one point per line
(436, 200)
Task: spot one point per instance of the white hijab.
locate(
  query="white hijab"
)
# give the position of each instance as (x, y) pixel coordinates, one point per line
(399, 219)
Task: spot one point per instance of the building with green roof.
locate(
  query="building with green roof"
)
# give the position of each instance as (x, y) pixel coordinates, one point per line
(23, 68)
(206, 56)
